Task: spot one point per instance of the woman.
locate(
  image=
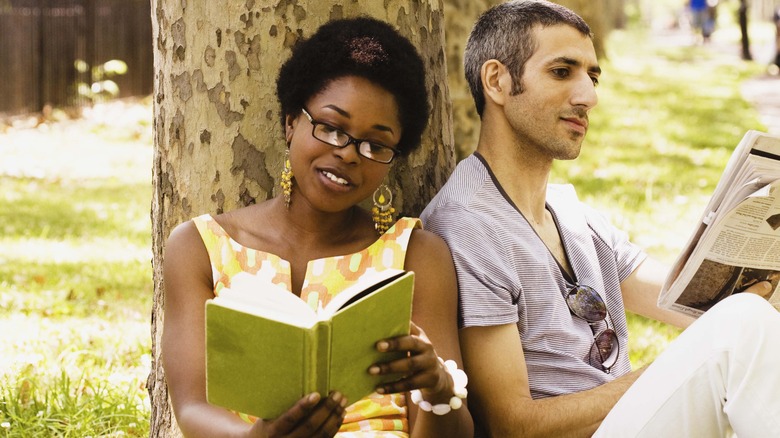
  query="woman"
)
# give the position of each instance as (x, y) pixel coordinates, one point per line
(352, 98)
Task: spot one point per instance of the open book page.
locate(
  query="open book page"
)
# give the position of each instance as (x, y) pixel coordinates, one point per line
(271, 301)
(275, 302)
(369, 282)
(740, 248)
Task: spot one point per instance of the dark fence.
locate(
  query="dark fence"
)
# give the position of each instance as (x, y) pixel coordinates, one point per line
(41, 41)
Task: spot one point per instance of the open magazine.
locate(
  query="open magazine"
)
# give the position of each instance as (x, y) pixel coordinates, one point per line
(737, 242)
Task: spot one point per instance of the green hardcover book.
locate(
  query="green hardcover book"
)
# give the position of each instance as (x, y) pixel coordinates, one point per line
(266, 349)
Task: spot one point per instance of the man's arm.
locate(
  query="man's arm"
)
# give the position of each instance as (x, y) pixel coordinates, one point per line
(641, 289)
(640, 294)
(500, 397)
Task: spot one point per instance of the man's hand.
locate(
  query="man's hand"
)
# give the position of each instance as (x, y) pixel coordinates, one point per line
(762, 289)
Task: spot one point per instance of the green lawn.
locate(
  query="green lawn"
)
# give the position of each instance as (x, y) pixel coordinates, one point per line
(75, 274)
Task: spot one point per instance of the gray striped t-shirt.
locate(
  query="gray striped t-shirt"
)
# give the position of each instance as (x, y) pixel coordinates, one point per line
(506, 274)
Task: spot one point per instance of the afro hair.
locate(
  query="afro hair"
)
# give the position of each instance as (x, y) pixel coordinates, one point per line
(363, 47)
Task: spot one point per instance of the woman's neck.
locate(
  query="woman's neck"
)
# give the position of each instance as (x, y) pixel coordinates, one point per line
(311, 227)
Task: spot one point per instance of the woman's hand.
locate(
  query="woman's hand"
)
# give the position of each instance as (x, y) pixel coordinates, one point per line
(422, 369)
(311, 416)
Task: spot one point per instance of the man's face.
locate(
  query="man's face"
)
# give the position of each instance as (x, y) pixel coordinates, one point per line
(550, 117)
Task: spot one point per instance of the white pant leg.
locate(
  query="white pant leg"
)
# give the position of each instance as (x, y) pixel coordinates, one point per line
(721, 373)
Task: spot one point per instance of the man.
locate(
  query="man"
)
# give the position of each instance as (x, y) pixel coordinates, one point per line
(699, 12)
(544, 280)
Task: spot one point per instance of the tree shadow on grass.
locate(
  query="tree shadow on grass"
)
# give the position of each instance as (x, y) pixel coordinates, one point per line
(34, 209)
(108, 289)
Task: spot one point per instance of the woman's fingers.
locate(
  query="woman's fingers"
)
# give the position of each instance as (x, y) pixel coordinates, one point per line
(311, 416)
(324, 420)
(421, 368)
(289, 420)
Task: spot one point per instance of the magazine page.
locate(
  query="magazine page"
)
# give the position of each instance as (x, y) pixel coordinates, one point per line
(734, 169)
(740, 248)
(754, 163)
(758, 172)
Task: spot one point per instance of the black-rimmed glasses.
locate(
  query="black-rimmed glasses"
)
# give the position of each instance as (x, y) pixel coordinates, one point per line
(586, 303)
(338, 138)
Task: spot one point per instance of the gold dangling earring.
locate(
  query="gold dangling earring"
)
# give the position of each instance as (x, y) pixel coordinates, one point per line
(286, 181)
(383, 210)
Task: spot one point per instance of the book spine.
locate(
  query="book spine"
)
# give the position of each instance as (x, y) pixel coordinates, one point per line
(309, 374)
(322, 339)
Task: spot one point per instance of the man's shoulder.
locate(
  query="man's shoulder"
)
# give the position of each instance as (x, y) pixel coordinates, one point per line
(564, 200)
(462, 189)
(562, 192)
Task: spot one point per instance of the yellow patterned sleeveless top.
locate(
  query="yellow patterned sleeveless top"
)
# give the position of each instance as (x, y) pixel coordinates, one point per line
(231, 263)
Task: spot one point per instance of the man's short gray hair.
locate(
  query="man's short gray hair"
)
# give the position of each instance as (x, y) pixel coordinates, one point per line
(505, 33)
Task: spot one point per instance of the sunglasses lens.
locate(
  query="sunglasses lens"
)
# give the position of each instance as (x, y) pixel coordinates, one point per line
(605, 349)
(586, 303)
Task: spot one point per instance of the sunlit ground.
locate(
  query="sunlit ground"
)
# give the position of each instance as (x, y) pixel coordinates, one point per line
(75, 273)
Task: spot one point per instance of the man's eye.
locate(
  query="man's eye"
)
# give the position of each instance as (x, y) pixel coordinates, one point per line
(595, 80)
(560, 72)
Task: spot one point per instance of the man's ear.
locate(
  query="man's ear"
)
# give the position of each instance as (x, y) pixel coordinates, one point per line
(289, 127)
(496, 81)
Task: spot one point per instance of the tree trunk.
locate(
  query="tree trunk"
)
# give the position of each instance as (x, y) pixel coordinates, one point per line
(218, 141)
(459, 16)
(617, 12)
(743, 27)
(776, 18)
(599, 16)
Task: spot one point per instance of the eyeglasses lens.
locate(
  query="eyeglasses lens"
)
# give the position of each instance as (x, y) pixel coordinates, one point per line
(586, 303)
(329, 135)
(376, 152)
(605, 348)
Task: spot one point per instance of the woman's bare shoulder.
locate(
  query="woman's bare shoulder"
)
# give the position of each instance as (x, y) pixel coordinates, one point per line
(424, 243)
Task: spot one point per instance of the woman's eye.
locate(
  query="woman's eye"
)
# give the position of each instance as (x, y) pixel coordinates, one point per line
(327, 128)
(375, 147)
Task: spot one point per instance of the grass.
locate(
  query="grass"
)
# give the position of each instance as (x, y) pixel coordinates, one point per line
(75, 277)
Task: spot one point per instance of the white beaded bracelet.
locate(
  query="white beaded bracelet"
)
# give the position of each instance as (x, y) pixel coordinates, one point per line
(459, 380)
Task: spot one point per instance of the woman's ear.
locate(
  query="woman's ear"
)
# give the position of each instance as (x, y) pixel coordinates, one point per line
(496, 81)
(289, 127)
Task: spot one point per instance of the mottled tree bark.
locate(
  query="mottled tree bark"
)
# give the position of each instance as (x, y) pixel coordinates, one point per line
(218, 142)
(459, 16)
